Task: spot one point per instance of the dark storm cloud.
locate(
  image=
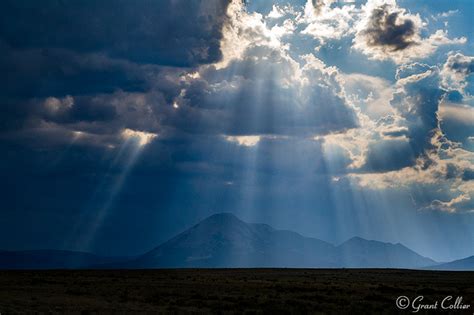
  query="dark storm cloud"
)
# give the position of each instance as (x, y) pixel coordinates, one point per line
(389, 155)
(417, 103)
(53, 50)
(33, 75)
(43, 72)
(434, 147)
(95, 120)
(117, 68)
(389, 29)
(77, 74)
(166, 32)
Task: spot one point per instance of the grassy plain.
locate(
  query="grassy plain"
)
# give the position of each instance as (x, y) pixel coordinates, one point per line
(232, 291)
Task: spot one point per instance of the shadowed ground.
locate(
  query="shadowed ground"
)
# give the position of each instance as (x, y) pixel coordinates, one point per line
(227, 290)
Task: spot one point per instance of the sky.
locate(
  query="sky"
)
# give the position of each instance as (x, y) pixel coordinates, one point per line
(123, 122)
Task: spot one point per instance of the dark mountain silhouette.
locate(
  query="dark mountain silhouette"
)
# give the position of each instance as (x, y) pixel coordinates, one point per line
(223, 240)
(361, 253)
(460, 264)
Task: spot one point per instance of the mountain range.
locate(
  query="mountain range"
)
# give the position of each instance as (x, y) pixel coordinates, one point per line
(224, 241)
(464, 264)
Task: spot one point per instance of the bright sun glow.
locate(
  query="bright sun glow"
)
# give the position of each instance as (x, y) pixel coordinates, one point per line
(247, 141)
(332, 118)
(142, 137)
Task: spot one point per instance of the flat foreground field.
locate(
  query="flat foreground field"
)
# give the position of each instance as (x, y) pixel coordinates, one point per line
(229, 290)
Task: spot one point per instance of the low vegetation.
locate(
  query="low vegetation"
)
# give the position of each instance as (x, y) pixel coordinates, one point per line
(225, 290)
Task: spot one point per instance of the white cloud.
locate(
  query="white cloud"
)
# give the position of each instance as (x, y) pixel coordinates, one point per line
(418, 111)
(142, 137)
(459, 112)
(451, 205)
(246, 141)
(276, 12)
(244, 29)
(445, 14)
(456, 70)
(369, 93)
(442, 169)
(325, 23)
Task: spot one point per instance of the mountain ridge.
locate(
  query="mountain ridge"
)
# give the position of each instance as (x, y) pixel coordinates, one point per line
(463, 264)
(224, 241)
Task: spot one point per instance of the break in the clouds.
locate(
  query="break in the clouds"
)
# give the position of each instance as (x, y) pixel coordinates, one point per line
(315, 114)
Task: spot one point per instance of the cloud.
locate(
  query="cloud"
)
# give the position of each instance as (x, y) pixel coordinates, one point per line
(243, 30)
(89, 50)
(207, 105)
(246, 141)
(258, 88)
(276, 12)
(375, 146)
(387, 31)
(258, 96)
(230, 81)
(421, 142)
(40, 72)
(392, 30)
(463, 200)
(317, 6)
(328, 23)
(397, 139)
(144, 31)
(95, 120)
(55, 105)
(266, 92)
(417, 101)
(457, 122)
(445, 14)
(142, 138)
(369, 93)
(387, 155)
(456, 70)
(422, 153)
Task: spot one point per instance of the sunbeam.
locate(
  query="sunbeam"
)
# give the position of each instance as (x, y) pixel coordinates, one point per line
(123, 127)
(133, 145)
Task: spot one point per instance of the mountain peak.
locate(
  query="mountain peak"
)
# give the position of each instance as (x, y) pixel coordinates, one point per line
(222, 219)
(361, 240)
(357, 239)
(224, 216)
(223, 240)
